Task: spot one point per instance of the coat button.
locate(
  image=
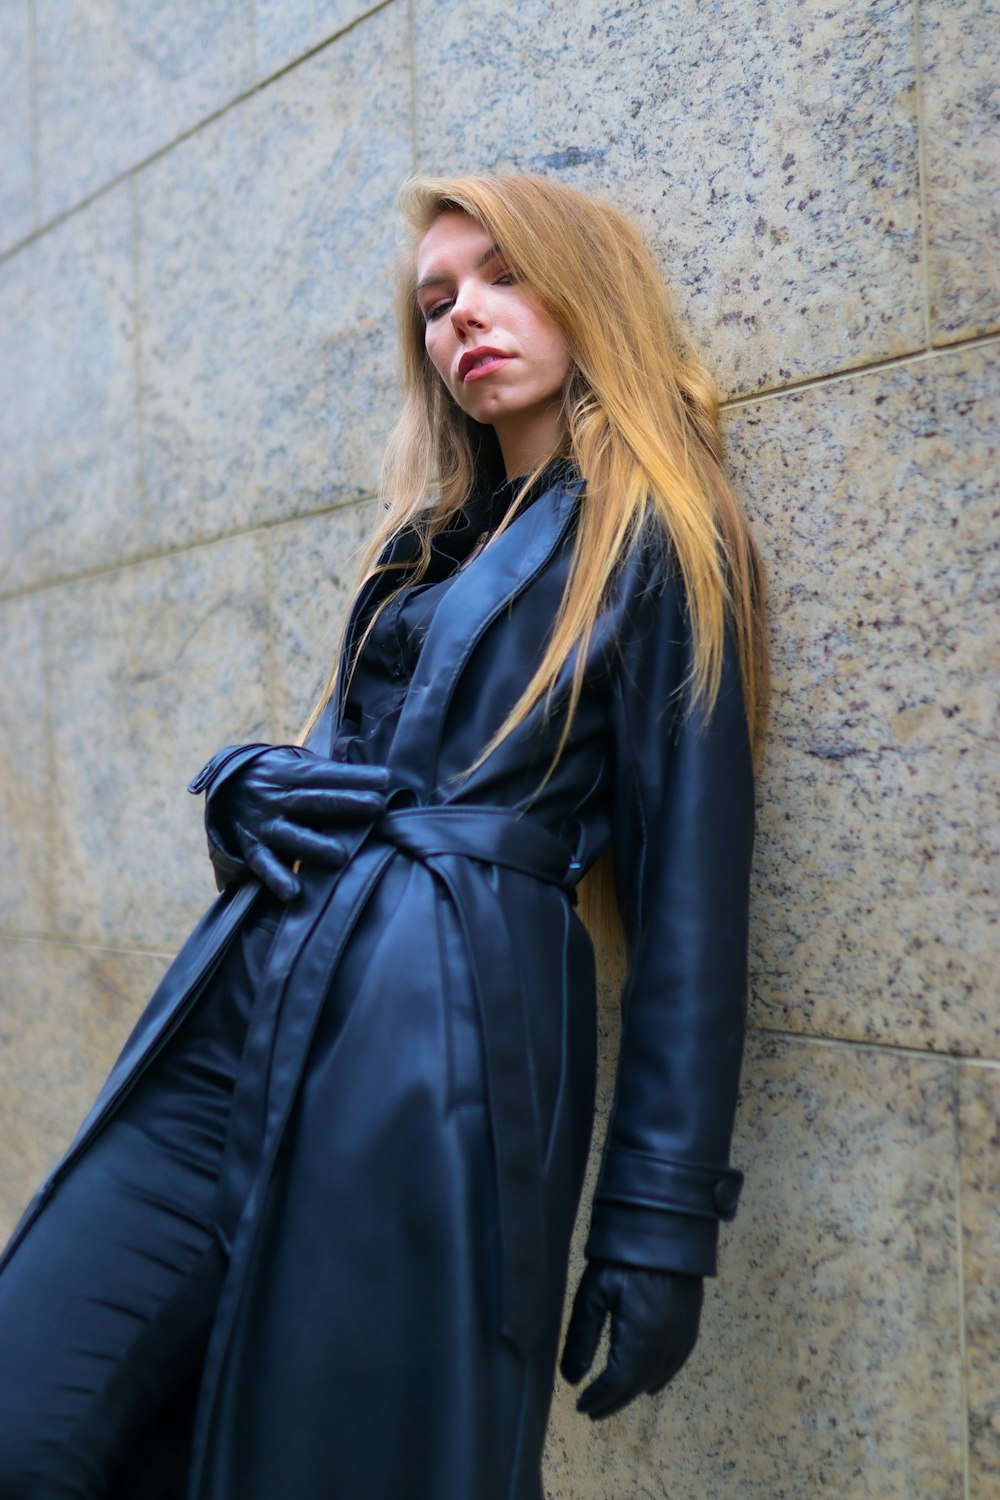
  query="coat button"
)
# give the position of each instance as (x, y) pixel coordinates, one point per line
(725, 1194)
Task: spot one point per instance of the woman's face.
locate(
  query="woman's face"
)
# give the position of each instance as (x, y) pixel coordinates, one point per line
(500, 354)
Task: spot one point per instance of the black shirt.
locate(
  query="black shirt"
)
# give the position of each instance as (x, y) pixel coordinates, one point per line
(385, 668)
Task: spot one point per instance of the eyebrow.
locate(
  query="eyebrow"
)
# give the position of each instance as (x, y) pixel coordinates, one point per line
(436, 278)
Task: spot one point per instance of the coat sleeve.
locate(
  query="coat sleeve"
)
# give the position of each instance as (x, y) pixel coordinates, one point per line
(682, 837)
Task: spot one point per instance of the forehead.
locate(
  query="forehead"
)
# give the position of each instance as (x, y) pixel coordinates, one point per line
(453, 235)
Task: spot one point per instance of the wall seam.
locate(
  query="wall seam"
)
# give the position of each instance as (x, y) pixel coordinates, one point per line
(412, 19)
(51, 819)
(252, 7)
(870, 1044)
(911, 357)
(210, 119)
(36, 179)
(733, 403)
(55, 940)
(960, 1248)
(142, 497)
(161, 554)
(918, 59)
(270, 662)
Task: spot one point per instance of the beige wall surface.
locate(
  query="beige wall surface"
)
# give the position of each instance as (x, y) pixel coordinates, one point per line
(196, 377)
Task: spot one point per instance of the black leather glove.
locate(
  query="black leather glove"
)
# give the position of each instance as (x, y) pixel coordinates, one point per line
(272, 805)
(654, 1327)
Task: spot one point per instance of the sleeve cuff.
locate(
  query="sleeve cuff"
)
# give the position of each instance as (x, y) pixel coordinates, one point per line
(223, 764)
(639, 1178)
(228, 867)
(653, 1238)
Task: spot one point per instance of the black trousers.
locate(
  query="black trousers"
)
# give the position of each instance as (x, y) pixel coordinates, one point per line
(106, 1305)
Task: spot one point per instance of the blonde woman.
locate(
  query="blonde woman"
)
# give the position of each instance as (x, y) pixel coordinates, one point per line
(312, 1240)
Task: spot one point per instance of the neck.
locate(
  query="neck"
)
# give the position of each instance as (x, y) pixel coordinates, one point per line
(528, 439)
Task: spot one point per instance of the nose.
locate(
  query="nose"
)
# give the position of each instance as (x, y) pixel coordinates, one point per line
(468, 311)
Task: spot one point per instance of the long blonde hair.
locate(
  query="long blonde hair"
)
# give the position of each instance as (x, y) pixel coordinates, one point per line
(641, 427)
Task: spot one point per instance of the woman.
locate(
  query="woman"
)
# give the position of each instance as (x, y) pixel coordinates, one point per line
(313, 1237)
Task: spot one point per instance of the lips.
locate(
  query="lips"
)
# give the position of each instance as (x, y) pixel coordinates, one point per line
(483, 358)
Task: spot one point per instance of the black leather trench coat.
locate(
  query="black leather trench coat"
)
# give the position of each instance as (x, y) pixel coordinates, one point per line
(390, 1321)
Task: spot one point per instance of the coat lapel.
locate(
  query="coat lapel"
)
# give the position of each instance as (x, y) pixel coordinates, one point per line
(477, 597)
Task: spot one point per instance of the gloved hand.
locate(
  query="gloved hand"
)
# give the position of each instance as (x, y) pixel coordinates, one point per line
(275, 804)
(654, 1326)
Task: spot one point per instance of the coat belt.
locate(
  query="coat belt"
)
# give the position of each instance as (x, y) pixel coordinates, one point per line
(260, 1110)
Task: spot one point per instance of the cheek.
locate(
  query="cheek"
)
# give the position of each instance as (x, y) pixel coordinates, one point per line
(437, 355)
(561, 361)
(548, 341)
(556, 359)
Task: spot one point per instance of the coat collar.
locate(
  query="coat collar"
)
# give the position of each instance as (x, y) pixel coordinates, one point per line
(548, 512)
(478, 595)
(484, 509)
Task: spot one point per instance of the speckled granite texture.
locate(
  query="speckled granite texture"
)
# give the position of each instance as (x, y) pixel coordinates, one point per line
(743, 136)
(197, 374)
(266, 327)
(16, 177)
(314, 566)
(286, 29)
(171, 658)
(961, 96)
(830, 1349)
(25, 769)
(118, 80)
(69, 433)
(875, 892)
(980, 1139)
(65, 1012)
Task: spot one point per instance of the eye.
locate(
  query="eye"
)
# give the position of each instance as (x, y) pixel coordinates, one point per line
(435, 311)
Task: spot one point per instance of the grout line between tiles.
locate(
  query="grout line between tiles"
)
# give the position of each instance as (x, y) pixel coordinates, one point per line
(51, 822)
(53, 940)
(270, 644)
(252, 7)
(807, 1038)
(415, 154)
(918, 59)
(842, 1044)
(735, 403)
(36, 176)
(960, 1246)
(912, 357)
(185, 135)
(140, 425)
(159, 554)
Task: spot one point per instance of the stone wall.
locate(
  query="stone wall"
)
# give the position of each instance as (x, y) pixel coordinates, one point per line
(196, 376)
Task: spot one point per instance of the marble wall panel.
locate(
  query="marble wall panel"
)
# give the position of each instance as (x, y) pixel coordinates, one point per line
(267, 334)
(16, 206)
(69, 481)
(153, 669)
(770, 152)
(16, 434)
(875, 894)
(314, 565)
(288, 28)
(25, 784)
(829, 1358)
(118, 80)
(960, 85)
(980, 1118)
(66, 1012)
